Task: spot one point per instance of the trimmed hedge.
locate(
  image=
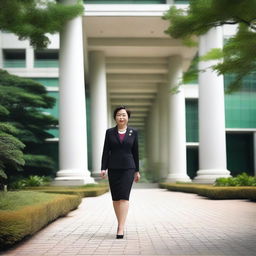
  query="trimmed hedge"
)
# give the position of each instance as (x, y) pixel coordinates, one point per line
(17, 224)
(213, 192)
(81, 191)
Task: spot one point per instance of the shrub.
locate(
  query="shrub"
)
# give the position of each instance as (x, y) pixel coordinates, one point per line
(241, 180)
(31, 181)
(214, 192)
(33, 211)
(88, 190)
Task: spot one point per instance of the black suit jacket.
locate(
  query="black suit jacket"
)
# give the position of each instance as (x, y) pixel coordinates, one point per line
(120, 155)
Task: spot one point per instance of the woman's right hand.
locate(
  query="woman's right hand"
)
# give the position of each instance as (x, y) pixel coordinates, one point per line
(103, 174)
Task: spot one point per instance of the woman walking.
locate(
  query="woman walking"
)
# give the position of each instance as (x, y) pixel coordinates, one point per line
(120, 159)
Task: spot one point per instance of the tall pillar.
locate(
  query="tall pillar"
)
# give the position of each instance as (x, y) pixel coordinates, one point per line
(155, 140)
(72, 108)
(149, 149)
(212, 140)
(99, 117)
(30, 57)
(177, 124)
(163, 131)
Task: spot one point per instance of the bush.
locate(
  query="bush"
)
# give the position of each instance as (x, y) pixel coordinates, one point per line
(89, 190)
(32, 211)
(31, 181)
(241, 180)
(214, 192)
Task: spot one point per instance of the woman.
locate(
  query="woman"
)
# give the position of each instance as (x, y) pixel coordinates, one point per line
(120, 159)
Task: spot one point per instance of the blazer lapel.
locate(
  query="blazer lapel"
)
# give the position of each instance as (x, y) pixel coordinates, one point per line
(127, 134)
(117, 135)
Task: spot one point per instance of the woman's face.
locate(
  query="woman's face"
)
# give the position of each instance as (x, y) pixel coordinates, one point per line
(121, 117)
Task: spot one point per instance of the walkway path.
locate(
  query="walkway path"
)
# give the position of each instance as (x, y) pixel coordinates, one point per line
(159, 223)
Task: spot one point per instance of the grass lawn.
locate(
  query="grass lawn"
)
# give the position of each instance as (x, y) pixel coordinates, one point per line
(14, 200)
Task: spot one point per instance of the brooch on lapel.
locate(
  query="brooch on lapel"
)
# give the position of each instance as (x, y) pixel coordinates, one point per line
(130, 132)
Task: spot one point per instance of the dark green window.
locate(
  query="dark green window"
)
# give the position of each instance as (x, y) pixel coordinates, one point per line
(191, 120)
(240, 107)
(14, 58)
(192, 161)
(125, 1)
(240, 155)
(46, 58)
(48, 82)
(181, 1)
(54, 112)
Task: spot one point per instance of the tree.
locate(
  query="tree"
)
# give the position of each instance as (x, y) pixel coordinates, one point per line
(11, 155)
(238, 53)
(33, 19)
(22, 101)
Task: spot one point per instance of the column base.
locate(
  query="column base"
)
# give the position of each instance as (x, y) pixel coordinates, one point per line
(209, 176)
(96, 176)
(176, 177)
(73, 178)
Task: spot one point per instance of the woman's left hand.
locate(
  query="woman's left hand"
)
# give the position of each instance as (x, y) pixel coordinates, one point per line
(136, 176)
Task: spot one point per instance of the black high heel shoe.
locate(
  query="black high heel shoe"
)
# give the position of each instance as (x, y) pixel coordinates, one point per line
(119, 236)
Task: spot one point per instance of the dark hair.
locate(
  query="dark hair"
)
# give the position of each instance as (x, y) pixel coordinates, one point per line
(119, 108)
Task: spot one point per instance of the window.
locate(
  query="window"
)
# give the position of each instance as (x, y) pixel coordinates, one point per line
(14, 58)
(240, 106)
(192, 120)
(125, 1)
(46, 58)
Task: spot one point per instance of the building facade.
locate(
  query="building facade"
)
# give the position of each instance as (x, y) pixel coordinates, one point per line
(118, 54)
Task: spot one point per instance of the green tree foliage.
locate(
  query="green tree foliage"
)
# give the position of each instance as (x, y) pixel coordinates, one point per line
(11, 155)
(21, 103)
(33, 19)
(239, 50)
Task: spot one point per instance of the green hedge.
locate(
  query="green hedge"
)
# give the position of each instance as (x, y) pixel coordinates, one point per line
(213, 192)
(90, 191)
(19, 223)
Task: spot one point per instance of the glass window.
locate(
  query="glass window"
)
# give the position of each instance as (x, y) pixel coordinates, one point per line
(49, 82)
(46, 58)
(125, 1)
(191, 120)
(240, 106)
(14, 58)
(181, 1)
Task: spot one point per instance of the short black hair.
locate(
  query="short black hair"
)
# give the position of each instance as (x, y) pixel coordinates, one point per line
(119, 108)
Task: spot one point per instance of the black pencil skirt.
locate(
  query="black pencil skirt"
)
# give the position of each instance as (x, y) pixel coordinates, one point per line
(120, 183)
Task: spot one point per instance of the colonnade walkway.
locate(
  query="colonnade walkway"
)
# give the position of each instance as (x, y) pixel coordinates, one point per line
(159, 222)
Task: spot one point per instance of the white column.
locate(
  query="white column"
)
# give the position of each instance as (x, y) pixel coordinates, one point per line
(155, 140)
(149, 150)
(72, 109)
(99, 118)
(177, 124)
(30, 57)
(163, 131)
(109, 112)
(212, 140)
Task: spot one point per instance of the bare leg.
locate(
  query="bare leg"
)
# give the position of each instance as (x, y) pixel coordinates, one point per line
(121, 210)
(116, 208)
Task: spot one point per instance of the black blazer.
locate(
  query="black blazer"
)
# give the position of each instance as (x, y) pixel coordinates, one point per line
(120, 155)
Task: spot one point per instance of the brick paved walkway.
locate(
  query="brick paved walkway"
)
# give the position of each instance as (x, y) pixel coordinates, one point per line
(159, 223)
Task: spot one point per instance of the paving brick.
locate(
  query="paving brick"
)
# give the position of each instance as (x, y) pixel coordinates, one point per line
(159, 222)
